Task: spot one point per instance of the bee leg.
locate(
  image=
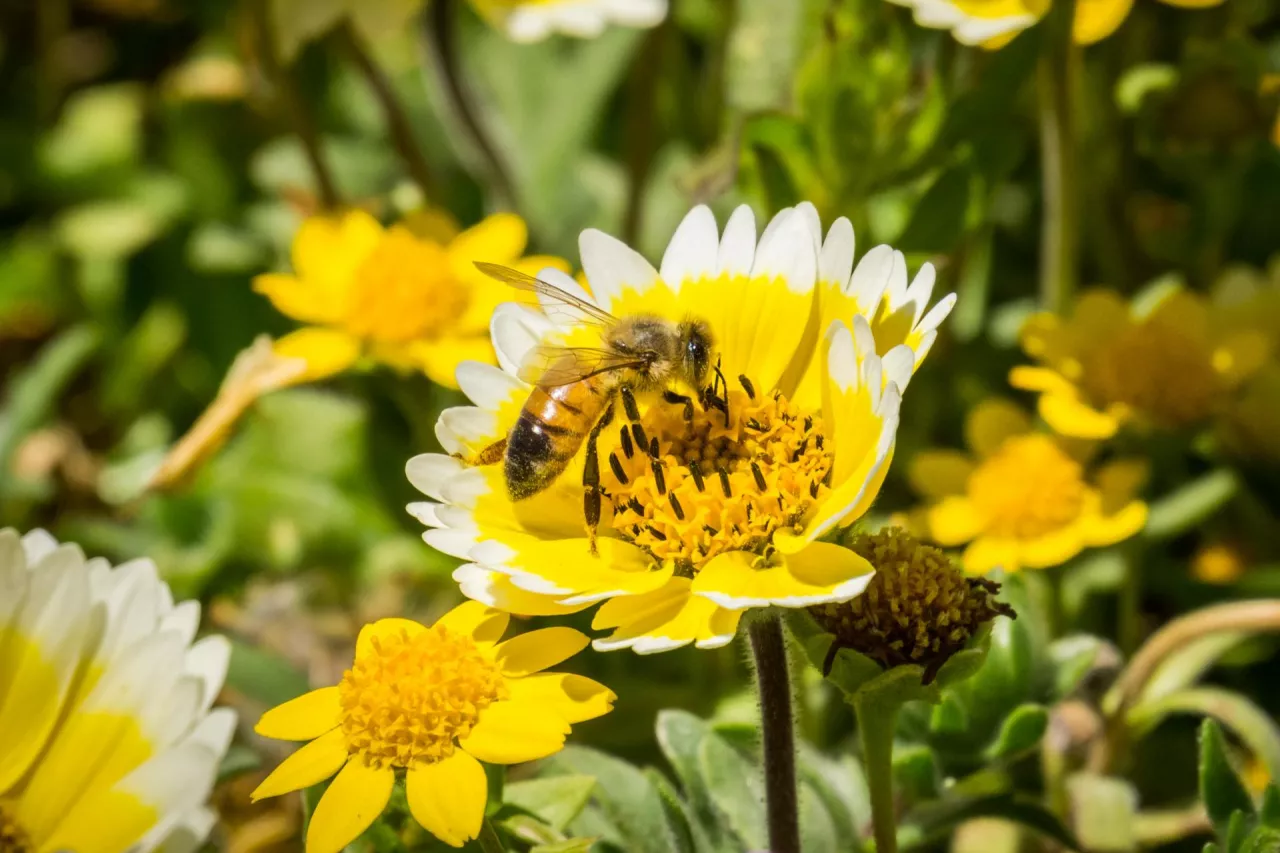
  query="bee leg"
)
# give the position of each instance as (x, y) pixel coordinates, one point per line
(591, 490)
(680, 400)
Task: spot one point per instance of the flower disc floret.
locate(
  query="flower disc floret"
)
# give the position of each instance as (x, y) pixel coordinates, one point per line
(723, 480)
(1026, 507)
(410, 698)
(404, 290)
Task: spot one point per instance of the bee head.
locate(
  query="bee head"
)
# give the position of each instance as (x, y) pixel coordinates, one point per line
(696, 342)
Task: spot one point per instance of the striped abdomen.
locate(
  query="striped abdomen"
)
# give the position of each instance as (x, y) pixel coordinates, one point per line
(551, 427)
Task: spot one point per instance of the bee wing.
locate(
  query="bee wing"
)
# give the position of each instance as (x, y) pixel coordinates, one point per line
(552, 297)
(550, 365)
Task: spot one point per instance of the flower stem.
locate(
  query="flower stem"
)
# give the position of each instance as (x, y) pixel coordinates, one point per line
(489, 840)
(286, 92)
(1059, 239)
(440, 31)
(769, 651)
(876, 724)
(398, 125)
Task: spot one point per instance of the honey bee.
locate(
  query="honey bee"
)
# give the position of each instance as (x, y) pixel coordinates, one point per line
(575, 389)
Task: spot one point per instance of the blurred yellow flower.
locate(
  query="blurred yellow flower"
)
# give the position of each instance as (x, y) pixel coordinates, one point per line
(1250, 426)
(429, 704)
(1218, 563)
(711, 509)
(994, 23)
(1167, 362)
(1023, 500)
(534, 20)
(407, 297)
(107, 740)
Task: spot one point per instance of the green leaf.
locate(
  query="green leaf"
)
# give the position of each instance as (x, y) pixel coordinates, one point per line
(1184, 666)
(1020, 732)
(764, 47)
(916, 772)
(569, 845)
(680, 736)
(940, 818)
(684, 828)
(1264, 839)
(1103, 811)
(949, 716)
(239, 759)
(736, 789)
(262, 676)
(1220, 789)
(1191, 504)
(1073, 658)
(939, 216)
(1269, 809)
(625, 796)
(842, 787)
(555, 799)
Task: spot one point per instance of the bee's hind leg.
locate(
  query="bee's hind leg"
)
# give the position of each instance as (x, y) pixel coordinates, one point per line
(591, 490)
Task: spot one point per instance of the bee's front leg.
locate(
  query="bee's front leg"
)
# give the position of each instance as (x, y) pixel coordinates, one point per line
(591, 490)
(678, 399)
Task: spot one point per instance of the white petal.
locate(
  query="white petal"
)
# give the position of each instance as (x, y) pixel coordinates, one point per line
(485, 385)
(455, 543)
(691, 254)
(38, 543)
(921, 290)
(737, 250)
(898, 365)
(937, 313)
(612, 267)
(809, 214)
(208, 660)
(515, 330)
(788, 252)
(425, 512)
(842, 357)
(871, 277)
(428, 472)
(835, 261)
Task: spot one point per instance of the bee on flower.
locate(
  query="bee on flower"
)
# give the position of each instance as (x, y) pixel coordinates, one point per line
(712, 500)
(1169, 361)
(429, 704)
(1023, 498)
(992, 24)
(107, 740)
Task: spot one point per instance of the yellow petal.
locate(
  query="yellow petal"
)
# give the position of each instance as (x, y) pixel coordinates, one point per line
(1110, 529)
(1040, 379)
(325, 351)
(954, 521)
(512, 732)
(1194, 4)
(310, 764)
(1071, 417)
(307, 717)
(480, 623)
(939, 473)
(382, 629)
(354, 800)
(535, 651)
(1118, 481)
(439, 359)
(990, 423)
(448, 797)
(499, 238)
(327, 251)
(664, 619)
(1052, 549)
(566, 568)
(573, 697)
(818, 574)
(1097, 19)
(988, 553)
(294, 298)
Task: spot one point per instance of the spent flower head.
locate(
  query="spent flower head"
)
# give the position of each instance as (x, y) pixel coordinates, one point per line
(429, 704)
(918, 609)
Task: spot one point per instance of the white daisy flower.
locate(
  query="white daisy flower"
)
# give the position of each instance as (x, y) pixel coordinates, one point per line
(534, 20)
(107, 740)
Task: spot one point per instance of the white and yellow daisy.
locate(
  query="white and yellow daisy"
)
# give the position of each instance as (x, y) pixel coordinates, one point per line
(709, 512)
(107, 740)
(534, 20)
(429, 704)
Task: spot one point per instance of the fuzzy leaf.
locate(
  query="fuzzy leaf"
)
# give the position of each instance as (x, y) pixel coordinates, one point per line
(555, 799)
(1220, 789)
(1020, 732)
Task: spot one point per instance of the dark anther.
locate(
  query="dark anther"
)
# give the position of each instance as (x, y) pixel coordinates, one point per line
(658, 534)
(659, 478)
(653, 447)
(808, 423)
(724, 481)
(695, 471)
(617, 469)
(813, 488)
(627, 447)
(761, 483)
(804, 445)
(710, 529)
(675, 506)
(756, 425)
(818, 441)
(629, 404)
(641, 438)
(747, 386)
(635, 506)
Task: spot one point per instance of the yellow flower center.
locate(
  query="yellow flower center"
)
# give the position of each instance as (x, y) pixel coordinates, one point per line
(1028, 488)
(687, 490)
(405, 291)
(13, 839)
(1156, 370)
(407, 699)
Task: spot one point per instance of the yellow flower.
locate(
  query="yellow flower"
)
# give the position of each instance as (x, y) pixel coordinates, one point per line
(994, 23)
(107, 743)
(712, 509)
(407, 298)
(1218, 563)
(534, 20)
(1025, 501)
(1167, 365)
(1250, 427)
(430, 704)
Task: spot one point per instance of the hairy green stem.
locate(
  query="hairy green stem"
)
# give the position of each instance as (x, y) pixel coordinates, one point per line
(876, 724)
(286, 92)
(440, 30)
(1059, 236)
(398, 124)
(777, 726)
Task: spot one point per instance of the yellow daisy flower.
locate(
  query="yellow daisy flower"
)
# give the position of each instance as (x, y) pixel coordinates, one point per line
(994, 23)
(710, 509)
(1250, 427)
(1166, 363)
(1023, 499)
(406, 296)
(107, 742)
(429, 704)
(534, 20)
